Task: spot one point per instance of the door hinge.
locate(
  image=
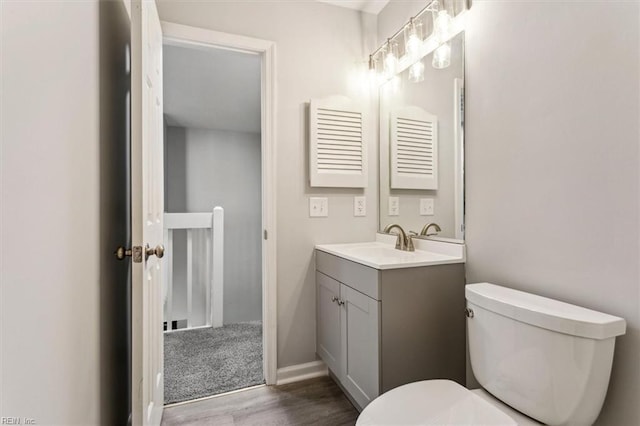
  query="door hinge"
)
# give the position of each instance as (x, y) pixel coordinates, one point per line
(265, 234)
(135, 252)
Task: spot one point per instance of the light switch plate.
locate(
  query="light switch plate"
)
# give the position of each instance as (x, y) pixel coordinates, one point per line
(394, 206)
(359, 206)
(318, 207)
(427, 207)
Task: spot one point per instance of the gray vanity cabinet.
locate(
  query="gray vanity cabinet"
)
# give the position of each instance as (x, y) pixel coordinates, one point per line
(348, 337)
(379, 329)
(328, 314)
(360, 345)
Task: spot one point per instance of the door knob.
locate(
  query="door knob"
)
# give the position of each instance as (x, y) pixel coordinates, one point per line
(157, 250)
(121, 253)
(136, 252)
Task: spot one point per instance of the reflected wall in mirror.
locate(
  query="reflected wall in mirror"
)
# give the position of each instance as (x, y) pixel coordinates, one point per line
(422, 148)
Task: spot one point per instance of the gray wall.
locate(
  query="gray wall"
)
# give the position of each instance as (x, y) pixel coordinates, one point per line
(396, 14)
(207, 168)
(552, 162)
(51, 242)
(320, 51)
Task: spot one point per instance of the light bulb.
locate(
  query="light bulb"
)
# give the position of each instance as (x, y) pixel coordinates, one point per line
(413, 46)
(391, 59)
(413, 39)
(442, 26)
(373, 74)
(442, 56)
(390, 64)
(376, 76)
(416, 72)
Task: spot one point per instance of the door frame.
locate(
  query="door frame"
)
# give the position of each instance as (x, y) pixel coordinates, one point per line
(188, 36)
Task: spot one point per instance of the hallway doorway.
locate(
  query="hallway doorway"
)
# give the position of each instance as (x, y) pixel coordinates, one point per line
(214, 221)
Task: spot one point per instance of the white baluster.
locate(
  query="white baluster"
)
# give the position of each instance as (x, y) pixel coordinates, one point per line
(189, 278)
(169, 276)
(218, 267)
(208, 273)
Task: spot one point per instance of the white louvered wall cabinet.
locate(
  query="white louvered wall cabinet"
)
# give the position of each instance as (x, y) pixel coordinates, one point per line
(338, 143)
(414, 149)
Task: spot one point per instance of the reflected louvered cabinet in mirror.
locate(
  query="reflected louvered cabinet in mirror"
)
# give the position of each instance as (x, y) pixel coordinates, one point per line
(414, 148)
(338, 143)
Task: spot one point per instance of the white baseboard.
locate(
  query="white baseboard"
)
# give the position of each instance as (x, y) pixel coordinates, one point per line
(296, 373)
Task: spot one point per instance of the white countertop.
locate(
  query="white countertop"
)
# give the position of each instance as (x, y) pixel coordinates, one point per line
(382, 254)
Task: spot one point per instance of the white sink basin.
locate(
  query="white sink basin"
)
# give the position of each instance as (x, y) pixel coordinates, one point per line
(382, 254)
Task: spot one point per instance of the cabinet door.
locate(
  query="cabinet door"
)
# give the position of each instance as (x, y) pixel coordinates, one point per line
(328, 321)
(360, 345)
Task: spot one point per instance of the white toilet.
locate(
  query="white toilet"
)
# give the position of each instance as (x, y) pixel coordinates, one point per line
(546, 359)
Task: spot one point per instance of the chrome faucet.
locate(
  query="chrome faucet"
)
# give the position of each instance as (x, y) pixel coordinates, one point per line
(404, 242)
(425, 229)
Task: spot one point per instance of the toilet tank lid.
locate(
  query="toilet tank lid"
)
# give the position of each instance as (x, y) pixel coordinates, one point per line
(543, 312)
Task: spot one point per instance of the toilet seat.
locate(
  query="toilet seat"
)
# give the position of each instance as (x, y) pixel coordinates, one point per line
(433, 402)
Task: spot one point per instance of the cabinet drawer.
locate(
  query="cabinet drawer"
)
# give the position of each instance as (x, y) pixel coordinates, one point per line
(359, 277)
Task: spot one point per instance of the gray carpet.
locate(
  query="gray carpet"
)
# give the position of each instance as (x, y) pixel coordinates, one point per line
(210, 361)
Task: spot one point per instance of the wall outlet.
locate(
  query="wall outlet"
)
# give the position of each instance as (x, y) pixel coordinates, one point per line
(359, 206)
(394, 206)
(318, 207)
(426, 207)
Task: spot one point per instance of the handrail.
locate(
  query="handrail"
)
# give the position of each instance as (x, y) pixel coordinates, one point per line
(188, 220)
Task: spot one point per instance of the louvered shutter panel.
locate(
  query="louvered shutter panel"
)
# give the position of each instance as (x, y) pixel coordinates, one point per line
(414, 149)
(338, 151)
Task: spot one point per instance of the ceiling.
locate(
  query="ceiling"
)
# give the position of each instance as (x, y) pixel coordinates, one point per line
(211, 88)
(220, 89)
(369, 6)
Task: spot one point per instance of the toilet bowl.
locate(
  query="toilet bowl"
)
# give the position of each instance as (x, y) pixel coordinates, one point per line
(538, 360)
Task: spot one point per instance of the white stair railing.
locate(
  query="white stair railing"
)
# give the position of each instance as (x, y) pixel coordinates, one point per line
(213, 259)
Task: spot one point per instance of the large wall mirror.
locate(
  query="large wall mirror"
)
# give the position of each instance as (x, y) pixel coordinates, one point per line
(422, 148)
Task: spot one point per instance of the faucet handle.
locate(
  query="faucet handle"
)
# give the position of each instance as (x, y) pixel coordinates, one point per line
(410, 246)
(400, 244)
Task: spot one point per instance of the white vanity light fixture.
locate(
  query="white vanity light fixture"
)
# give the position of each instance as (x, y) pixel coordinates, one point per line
(391, 59)
(442, 25)
(376, 75)
(442, 56)
(413, 39)
(416, 46)
(442, 33)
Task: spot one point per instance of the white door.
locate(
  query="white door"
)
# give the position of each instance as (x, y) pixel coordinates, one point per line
(147, 207)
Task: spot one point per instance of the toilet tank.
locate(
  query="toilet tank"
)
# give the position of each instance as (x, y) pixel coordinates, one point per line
(547, 359)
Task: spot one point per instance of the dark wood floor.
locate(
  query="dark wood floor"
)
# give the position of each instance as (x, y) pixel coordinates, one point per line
(312, 402)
